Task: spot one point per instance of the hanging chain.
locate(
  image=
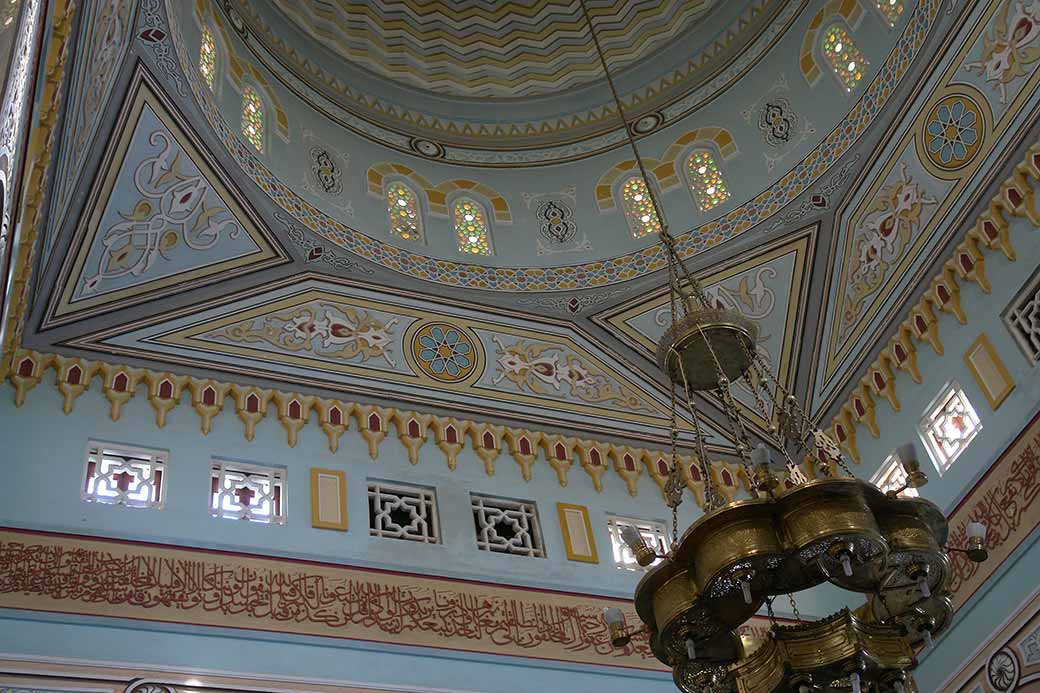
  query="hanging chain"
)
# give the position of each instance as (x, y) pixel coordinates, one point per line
(769, 610)
(794, 608)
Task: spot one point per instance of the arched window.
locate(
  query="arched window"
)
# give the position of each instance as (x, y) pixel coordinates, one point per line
(208, 58)
(402, 208)
(253, 118)
(639, 208)
(471, 229)
(706, 180)
(843, 56)
(890, 10)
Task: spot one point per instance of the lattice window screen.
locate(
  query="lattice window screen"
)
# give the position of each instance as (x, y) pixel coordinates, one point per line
(247, 492)
(504, 525)
(654, 533)
(401, 511)
(948, 426)
(1022, 318)
(892, 476)
(121, 475)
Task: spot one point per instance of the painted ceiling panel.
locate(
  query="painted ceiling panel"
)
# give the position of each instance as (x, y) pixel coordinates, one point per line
(338, 336)
(160, 220)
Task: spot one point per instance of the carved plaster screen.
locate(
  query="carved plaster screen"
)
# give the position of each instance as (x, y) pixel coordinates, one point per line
(1022, 317)
(706, 180)
(402, 208)
(505, 525)
(402, 511)
(247, 492)
(844, 58)
(122, 475)
(891, 477)
(948, 426)
(639, 208)
(654, 533)
(208, 57)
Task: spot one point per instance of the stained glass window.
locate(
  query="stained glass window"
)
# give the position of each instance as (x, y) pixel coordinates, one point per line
(402, 207)
(706, 180)
(471, 230)
(208, 57)
(639, 208)
(890, 10)
(843, 56)
(253, 118)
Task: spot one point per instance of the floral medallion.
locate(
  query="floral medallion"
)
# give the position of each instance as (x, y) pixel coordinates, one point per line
(444, 352)
(953, 132)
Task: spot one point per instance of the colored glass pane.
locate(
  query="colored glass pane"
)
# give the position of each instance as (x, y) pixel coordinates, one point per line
(471, 229)
(253, 118)
(706, 180)
(208, 58)
(639, 208)
(843, 56)
(890, 10)
(402, 208)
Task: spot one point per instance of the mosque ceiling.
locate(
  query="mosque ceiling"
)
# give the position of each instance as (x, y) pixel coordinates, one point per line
(180, 241)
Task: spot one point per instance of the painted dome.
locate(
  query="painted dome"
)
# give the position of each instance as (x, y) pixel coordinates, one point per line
(739, 107)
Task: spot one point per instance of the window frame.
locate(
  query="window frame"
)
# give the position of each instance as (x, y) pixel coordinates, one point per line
(485, 208)
(837, 22)
(248, 87)
(277, 475)
(538, 548)
(656, 529)
(421, 209)
(948, 391)
(619, 200)
(159, 459)
(688, 154)
(435, 536)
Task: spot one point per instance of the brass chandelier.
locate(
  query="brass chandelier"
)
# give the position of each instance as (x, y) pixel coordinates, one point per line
(793, 533)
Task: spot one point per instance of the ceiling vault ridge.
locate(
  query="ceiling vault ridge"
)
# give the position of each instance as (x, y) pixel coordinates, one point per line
(295, 412)
(964, 265)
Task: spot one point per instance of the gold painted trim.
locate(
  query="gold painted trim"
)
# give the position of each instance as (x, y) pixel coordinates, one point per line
(568, 540)
(316, 521)
(983, 344)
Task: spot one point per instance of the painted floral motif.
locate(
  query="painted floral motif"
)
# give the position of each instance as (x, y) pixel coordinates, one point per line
(639, 208)
(879, 241)
(444, 352)
(552, 371)
(325, 171)
(471, 229)
(208, 57)
(1009, 46)
(953, 132)
(323, 328)
(844, 57)
(171, 211)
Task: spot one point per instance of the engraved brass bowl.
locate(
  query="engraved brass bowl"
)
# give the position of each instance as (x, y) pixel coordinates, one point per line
(669, 602)
(828, 517)
(826, 651)
(915, 530)
(735, 543)
(692, 344)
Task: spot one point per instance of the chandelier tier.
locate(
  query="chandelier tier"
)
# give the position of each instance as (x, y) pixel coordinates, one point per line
(808, 521)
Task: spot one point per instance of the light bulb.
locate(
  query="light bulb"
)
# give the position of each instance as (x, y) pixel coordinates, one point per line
(691, 649)
(854, 678)
(613, 616)
(745, 587)
(926, 591)
(927, 638)
(900, 688)
(630, 535)
(976, 530)
(846, 564)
